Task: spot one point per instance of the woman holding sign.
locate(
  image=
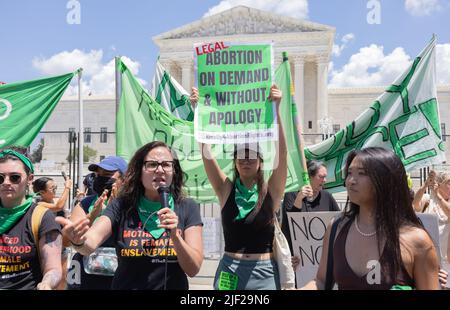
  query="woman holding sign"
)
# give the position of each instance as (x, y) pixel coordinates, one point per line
(437, 203)
(379, 243)
(157, 246)
(248, 206)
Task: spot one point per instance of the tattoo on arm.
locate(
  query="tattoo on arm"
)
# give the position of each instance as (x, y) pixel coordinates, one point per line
(52, 278)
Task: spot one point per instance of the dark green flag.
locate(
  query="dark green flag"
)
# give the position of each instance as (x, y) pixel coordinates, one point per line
(26, 106)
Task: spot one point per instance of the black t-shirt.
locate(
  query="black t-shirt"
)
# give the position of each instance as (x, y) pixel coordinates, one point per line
(137, 271)
(19, 261)
(322, 203)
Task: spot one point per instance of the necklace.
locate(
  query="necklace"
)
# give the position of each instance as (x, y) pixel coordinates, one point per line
(359, 230)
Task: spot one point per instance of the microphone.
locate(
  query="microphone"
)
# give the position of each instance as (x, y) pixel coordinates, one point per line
(164, 196)
(164, 199)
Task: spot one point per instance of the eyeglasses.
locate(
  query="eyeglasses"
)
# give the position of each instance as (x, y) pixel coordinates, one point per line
(54, 188)
(152, 165)
(14, 178)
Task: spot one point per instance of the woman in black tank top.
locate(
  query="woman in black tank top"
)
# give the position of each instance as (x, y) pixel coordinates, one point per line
(248, 206)
(380, 242)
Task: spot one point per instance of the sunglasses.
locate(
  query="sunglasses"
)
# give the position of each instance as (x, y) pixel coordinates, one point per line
(14, 178)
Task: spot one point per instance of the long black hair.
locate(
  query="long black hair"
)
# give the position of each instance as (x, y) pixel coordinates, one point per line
(132, 189)
(393, 204)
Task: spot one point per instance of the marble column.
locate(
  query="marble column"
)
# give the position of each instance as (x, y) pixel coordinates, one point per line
(299, 87)
(322, 87)
(186, 68)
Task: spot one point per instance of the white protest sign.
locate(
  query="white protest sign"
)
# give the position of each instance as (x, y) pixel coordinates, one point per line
(307, 232)
(212, 233)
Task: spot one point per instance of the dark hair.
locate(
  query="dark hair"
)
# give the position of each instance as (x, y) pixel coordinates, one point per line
(261, 185)
(132, 189)
(41, 184)
(314, 166)
(18, 149)
(393, 202)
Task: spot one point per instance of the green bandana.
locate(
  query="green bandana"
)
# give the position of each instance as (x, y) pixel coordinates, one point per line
(148, 208)
(245, 199)
(10, 216)
(22, 158)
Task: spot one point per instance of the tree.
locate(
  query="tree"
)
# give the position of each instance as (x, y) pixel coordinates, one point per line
(36, 156)
(88, 153)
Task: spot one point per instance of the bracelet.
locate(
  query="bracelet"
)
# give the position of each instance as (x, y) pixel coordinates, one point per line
(77, 245)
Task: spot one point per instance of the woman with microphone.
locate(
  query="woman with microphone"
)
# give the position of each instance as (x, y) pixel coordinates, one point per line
(156, 247)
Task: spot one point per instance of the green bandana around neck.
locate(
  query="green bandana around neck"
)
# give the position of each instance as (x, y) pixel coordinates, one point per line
(148, 208)
(26, 161)
(245, 199)
(10, 216)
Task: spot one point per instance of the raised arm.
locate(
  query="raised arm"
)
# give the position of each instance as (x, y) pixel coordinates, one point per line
(277, 181)
(219, 181)
(99, 205)
(417, 201)
(59, 205)
(65, 195)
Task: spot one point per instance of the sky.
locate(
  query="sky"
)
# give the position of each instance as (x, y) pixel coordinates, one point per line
(375, 39)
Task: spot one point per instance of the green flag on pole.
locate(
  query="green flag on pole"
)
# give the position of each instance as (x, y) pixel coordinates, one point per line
(170, 94)
(26, 106)
(405, 119)
(288, 113)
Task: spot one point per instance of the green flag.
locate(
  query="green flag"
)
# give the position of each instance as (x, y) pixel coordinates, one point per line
(405, 118)
(26, 106)
(170, 94)
(141, 119)
(288, 113)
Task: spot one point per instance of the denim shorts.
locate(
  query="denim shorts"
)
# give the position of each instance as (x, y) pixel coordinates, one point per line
(251, 274)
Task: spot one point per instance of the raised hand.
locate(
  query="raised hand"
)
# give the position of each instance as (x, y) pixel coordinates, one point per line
(68, 184)
(114, 192)
(307, 191)
(194, 97)
(275, 94)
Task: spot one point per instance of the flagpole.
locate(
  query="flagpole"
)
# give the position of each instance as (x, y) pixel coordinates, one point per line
(81, 133)
(118, 88)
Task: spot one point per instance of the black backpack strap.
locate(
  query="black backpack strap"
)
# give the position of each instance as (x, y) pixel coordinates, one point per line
(329, 281)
